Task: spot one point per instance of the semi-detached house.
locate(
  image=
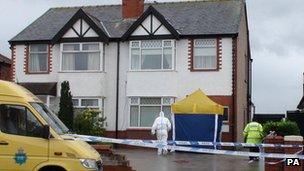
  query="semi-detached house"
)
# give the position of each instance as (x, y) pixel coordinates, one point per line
(135, 59)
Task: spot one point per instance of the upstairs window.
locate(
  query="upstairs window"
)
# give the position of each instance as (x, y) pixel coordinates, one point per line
(205, 54)
(152, 55)
(81, 57)
(38, 58)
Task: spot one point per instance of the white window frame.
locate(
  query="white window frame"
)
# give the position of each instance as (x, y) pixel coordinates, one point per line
(202, 47)
(147, 105)
(100, 102)
(173, 46)
(101, 53)
(47, 58)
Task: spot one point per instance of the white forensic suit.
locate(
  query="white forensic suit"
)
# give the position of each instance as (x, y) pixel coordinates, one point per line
(161, 127)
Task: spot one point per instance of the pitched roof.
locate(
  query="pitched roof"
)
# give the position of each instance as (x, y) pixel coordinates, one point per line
(5, 60)
(301, 103)
(188, 18)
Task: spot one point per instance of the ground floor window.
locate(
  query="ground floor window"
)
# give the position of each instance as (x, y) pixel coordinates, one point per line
(144, 110)
(88, 102)
(226, 114)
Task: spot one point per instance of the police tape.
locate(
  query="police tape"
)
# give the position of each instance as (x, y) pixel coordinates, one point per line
(216, 144)
(143, 143)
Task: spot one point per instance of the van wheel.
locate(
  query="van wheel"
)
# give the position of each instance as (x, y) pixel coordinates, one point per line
(52, 168)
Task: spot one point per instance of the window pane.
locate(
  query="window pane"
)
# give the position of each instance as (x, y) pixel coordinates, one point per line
(167, 61)
(93, 61)
(38, 48)
(205, 43)
(226, 114)
(151, 59)
(148, 114)
(89, 102)
(135, 44)
(167, 43)
(134, 100)
(134, 116)
(167, 100)
(68, 61)
(151, 44)
(135, 61)
(34, 127)
(167, 112)
(81, 61)
(13, 120)
(93, 46)
(150, 100)
(71, 47)
(209, 62)
(75, 102)
(198, 62)
(37, 62)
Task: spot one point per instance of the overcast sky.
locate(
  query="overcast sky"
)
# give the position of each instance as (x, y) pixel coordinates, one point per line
(276, 28)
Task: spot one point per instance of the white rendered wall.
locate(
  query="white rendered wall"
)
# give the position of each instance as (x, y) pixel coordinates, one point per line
(24, 78)
(177, 83)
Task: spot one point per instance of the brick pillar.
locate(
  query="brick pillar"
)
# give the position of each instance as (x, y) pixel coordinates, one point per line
(295, 140)
(278, 166)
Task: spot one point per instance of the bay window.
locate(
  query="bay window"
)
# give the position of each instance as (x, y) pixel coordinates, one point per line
(144, 110)
(38, 58)
(205, 54)
(81, 57)
(152, 55)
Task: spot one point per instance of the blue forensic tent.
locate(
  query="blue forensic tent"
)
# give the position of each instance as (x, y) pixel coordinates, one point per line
(197, 118)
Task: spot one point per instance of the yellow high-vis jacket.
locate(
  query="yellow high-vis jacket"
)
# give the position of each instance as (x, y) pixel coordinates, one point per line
(253, 133)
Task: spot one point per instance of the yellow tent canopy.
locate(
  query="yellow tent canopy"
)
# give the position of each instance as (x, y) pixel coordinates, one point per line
(197, 103)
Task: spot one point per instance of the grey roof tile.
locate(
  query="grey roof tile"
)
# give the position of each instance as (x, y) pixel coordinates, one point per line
(188, 18)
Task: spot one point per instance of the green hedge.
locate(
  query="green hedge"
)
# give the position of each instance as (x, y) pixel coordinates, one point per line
(89, 123)
(281, 128)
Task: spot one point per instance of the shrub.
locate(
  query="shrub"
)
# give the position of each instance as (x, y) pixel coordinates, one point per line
(66, 109)
(89, 123)
(281, 128)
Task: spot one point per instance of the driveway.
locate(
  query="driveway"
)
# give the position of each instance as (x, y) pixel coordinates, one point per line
(148, 160)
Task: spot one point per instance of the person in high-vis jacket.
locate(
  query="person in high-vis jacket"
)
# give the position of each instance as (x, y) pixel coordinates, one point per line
(253, 133)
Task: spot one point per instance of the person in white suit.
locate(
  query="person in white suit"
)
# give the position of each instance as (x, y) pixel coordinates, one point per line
(161, 127)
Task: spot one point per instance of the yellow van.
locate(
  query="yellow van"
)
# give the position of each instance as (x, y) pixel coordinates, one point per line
(33, 138)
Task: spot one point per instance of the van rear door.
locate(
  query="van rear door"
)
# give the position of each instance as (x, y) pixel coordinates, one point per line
(21, 144)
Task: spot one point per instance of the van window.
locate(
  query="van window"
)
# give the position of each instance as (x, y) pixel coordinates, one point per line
(18, 120)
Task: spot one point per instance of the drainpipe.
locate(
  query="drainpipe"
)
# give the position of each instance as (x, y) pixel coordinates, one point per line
(117, 89)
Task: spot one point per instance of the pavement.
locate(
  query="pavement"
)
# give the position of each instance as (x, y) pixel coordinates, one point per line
(148, 160)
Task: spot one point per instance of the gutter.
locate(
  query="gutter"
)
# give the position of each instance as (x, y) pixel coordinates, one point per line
(117, 90)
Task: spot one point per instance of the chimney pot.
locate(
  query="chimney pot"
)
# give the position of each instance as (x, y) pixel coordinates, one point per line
(132, 8)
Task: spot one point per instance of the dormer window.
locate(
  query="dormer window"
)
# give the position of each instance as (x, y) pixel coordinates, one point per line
(152, 55)
(38, 58)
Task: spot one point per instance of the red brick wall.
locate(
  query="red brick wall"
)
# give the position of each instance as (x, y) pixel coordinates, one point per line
(132, 8)
(5, 72)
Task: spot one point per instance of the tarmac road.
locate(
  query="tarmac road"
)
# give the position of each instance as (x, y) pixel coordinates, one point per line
(148, 160)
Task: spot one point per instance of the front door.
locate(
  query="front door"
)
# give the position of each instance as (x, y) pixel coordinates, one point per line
(21, 144)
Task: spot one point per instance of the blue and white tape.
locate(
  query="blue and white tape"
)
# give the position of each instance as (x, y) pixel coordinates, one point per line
(154, 144)
(206, 143)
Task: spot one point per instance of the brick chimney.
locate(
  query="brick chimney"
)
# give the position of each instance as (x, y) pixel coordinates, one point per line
(132, 8)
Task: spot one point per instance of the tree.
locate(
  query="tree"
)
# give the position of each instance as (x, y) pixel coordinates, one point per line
(66, 110)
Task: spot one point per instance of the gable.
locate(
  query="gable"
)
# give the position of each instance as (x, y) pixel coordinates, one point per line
(151, 26)
(80, 29)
